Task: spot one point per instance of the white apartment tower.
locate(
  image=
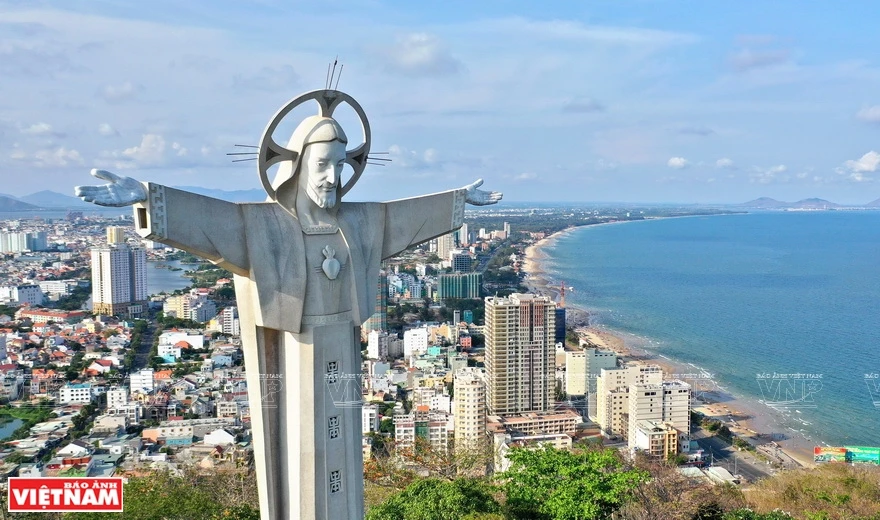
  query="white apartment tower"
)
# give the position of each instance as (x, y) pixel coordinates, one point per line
(115, 235)
(520, 353)
(463, 235)
(666, 402)
(612, 393)
(445, 245)
(119, 280)
(415, 341)
(141, 381)
(469, 410)
(377, 344)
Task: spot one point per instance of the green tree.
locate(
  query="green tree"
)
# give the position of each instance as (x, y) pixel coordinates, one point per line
(434, 499)
(551, 484)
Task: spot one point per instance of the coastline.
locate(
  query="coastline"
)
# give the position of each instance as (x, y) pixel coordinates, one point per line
(749, 419)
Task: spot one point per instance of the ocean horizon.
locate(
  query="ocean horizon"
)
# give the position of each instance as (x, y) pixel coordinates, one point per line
(780, 307)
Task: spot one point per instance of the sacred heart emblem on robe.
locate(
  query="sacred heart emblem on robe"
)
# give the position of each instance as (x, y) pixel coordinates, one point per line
(330, 265)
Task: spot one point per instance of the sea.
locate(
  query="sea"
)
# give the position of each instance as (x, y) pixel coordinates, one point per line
(778, 307)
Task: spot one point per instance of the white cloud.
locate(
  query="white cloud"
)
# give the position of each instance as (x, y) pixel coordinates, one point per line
(869, 114)
(768, 175)
(150, 151)
(49, 158)
(724, 162)
(177, 147)
(525, 176)
(406, 158)
(677, 162)
(421, 54)
(38, 129)
(868, 163)
(576, 31)
(116, 93)
(106, 130)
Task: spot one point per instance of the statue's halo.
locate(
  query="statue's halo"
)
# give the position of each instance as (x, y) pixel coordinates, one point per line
(271, 153)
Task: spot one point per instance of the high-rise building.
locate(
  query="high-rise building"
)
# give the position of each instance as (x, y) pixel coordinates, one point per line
(559, 333)
(194, 306)
(23, 241)
(369, 418)
(461, 261)
(445, 244)
(115, 235)
(459, 285)
(421, 423)
(575, 373)
(612, 393)
(464, 235)
(415, 341)
(520, 353)
(119, 280)
(666, 402)
(507, 229)
(377, 344)
(22, 294)
(141, 381)
(469, 410)
(228, 321)
(596, 360)
(379, 319)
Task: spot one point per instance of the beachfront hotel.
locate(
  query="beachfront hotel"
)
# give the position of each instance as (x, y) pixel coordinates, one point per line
(520, 353)
(667, 403)
(612, 394)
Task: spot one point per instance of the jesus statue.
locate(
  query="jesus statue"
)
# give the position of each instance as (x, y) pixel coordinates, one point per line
(306, 267)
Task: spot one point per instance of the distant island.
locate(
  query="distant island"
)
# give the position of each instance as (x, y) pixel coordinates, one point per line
(805, 204)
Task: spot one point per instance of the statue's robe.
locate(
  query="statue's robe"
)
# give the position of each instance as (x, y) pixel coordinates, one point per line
(302, 356)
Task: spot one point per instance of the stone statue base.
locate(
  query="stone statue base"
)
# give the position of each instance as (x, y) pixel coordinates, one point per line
(306, 430)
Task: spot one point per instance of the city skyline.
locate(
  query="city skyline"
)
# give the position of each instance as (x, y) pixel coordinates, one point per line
(648, 101)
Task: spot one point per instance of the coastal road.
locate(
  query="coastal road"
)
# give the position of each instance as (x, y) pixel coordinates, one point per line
(737, 462)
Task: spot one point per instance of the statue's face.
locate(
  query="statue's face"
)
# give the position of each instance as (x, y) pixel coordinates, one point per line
(321, 170)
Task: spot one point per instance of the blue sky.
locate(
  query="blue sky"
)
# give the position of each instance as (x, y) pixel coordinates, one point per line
(643, 101)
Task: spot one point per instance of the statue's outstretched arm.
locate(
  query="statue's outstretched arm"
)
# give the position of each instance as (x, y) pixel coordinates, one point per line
(120, 191)
(204, 226)
(410, 222)
(481, 197)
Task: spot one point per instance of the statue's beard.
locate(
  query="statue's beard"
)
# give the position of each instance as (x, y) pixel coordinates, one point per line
(324, 199)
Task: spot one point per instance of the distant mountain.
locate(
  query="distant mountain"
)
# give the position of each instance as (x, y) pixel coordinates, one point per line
(254, 195)
(10, 204)
(764, 203)
(51, 199)
(768, 203)
(814, 204)
(873, 204)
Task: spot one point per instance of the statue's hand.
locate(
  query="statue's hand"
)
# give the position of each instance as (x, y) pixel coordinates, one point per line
(120, 191)
(481, 197)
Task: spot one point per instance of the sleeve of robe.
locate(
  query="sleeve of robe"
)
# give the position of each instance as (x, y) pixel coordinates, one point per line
(210, 228)
(410, 222)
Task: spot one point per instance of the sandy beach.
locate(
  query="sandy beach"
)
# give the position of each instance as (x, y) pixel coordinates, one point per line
(749, 419)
